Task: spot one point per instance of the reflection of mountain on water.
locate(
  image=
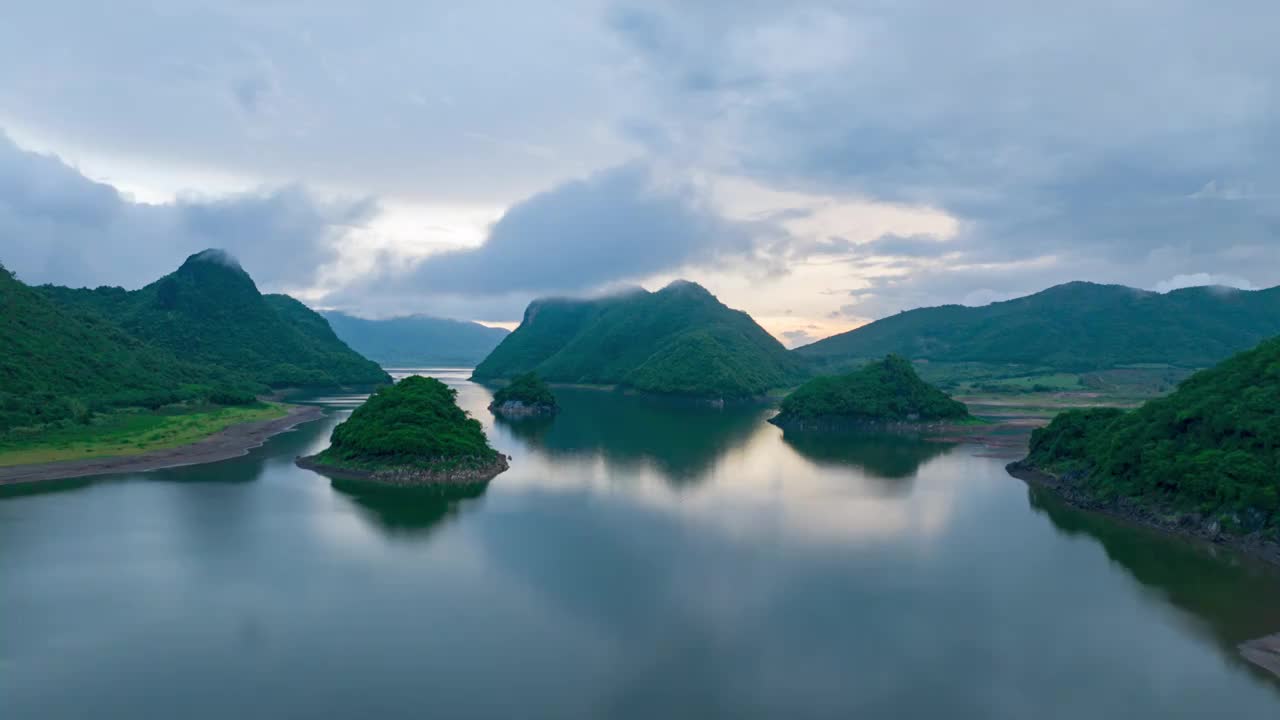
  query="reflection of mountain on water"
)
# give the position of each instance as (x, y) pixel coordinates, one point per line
(407, 511)
(891, 456)
(681, 439)
(1233, 598)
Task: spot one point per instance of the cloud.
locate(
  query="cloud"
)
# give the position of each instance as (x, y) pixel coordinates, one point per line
(796, 338)
(408, 100)
(1038, 142)
(1177, 282)
(625, 223)
(58, 226)
(1079, 137)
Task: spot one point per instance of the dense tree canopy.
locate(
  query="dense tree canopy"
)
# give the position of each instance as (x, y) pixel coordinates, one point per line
(1213, 446)
(526, 388)
(884, 391)
(416, 422)
(210, 311)
(61, 364)
(680, 340)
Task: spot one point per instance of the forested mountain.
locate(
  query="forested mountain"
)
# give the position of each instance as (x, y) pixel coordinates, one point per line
(1073, 327)
(210, 311)
(1212, 447)
(680, 340)
(61, 363)
(887, 391)
(417, 339)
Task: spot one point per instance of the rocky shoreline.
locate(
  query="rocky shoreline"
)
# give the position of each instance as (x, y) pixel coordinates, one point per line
(443, 479)
(843, 424)
(1188, 525)
(518, 409)
(230, 443)
(1264, 651)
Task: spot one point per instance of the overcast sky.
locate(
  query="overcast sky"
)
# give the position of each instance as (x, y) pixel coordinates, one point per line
(817, 164)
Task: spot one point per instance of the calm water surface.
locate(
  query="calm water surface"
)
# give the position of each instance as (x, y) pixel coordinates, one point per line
(639, 559)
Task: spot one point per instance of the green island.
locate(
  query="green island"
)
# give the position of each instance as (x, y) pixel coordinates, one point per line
(678, 341)
(883, 393)
(526, 395)
(411, 434)
(1204, 460)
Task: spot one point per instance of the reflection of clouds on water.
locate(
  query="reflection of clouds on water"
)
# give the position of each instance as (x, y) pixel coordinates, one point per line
(753, 489)
(682, 441)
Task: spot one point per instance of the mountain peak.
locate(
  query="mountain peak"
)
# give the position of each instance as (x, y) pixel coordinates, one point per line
(215, 256)
(687, 287)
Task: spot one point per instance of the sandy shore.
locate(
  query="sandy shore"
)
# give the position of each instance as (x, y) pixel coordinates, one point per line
(232, 442)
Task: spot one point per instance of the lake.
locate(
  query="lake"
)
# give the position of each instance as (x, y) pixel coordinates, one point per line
(640, 559)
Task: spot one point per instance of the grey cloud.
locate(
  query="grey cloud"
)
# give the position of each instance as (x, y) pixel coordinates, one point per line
(620, 224)
(904, 246)
(1081, 135)
(405, 99)
(58, 226)
(796, 338)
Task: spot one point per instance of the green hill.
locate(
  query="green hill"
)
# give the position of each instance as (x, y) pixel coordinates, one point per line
(1211, 448)
(678, 341)
(209, 311)
(417, 339)
(1074, 327)
(62, 364)
(884, 392)
(410, 433)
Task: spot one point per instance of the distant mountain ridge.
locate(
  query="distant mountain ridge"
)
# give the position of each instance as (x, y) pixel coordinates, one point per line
(1072, 327)
(679, 340)
(416, 339)
(210, 311)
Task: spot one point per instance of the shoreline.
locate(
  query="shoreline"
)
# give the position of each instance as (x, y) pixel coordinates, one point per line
(442, 481)
(1264, 652)
(231, 442)
(1186, 526)
(838, 424)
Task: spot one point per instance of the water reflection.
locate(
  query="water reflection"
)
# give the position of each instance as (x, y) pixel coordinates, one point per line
(408, 512)
(888, 456)
(1231, 598)
(682, 440)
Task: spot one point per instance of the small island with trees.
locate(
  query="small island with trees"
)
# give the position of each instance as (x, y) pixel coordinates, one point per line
(886, 394)
(525, 396)
(412, 434)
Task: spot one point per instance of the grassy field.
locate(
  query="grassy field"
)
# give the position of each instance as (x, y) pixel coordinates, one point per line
(130, 433)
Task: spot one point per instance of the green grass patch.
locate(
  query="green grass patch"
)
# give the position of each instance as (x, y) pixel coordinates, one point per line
(130, 433)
